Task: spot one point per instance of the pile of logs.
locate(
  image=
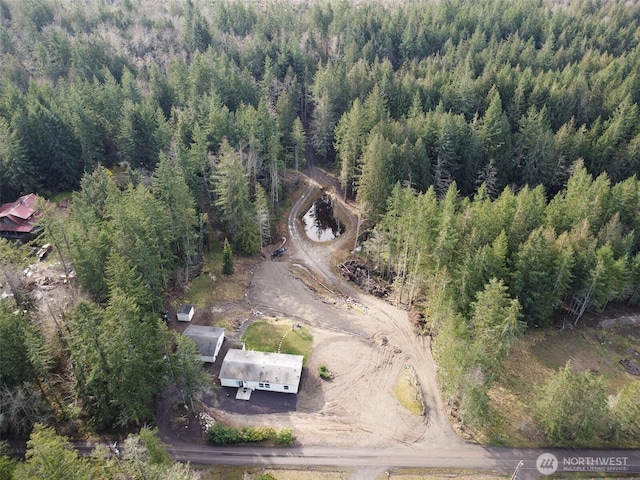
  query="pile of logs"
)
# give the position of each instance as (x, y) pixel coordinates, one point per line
(360, 274)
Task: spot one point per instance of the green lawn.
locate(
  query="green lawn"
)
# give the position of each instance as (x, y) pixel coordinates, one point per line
(61, 197)
(266, 337)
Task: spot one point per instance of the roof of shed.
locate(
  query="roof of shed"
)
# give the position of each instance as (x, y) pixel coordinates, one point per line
(205, 338)
(185, 308)
(21, 213)
(264, 367)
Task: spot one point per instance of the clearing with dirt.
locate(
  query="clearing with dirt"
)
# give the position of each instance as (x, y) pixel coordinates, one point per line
(365, 343)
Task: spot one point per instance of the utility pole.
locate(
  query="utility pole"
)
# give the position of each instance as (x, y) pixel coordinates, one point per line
(515, 473)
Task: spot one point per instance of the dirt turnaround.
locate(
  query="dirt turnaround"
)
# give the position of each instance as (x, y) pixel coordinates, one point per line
(363, 341)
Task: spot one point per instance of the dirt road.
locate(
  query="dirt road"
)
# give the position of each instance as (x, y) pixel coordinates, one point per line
(365, 342)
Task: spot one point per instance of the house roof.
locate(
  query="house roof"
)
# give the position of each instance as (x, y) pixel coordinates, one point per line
(205, 338)
(19, 216)
(264, 367)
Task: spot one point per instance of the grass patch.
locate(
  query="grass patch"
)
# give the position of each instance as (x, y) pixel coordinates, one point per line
(408, 392)
(226, 472)
(200, 291)
(309, 474)
(212, 288)
(61, 197)
(588, 349)
(442, 474)
(268, 336)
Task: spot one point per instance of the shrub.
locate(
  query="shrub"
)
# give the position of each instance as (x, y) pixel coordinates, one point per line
(324, 373)
(227, 258)
(223, 435)
(284, 437)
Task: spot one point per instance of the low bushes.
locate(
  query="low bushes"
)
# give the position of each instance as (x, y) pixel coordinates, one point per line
(220, 434)
(324, 373)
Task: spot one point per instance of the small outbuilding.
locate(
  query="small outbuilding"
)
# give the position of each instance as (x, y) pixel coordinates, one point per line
(207, 339)
(185, 313)
(278, 372)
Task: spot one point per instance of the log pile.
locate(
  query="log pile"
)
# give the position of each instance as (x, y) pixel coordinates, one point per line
(360, 274)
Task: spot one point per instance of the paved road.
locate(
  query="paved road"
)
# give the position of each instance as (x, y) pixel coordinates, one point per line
(473, 457)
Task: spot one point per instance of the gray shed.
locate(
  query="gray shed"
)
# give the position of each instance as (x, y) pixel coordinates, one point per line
(185, 313)
(207, 339)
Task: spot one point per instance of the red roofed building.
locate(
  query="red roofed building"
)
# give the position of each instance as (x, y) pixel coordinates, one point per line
(18, 219)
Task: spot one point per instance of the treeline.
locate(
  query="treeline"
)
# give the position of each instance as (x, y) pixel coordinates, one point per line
(487, 269)
(108, 354)
(509, 93)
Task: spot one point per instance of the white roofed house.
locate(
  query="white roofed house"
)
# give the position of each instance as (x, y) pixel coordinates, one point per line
(247, 369)
(207, 339)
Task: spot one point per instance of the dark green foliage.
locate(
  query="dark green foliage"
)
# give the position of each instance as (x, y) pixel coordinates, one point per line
(223, 435)
(116, 355)
(14, 361)
(186, 368)
(521, 91)
(484, 268)
(572, 408)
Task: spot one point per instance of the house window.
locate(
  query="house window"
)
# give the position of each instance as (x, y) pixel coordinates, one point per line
(261, 385)
(286, 387)
(266, 385)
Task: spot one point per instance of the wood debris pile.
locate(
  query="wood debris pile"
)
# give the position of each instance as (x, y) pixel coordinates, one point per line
(360, 274)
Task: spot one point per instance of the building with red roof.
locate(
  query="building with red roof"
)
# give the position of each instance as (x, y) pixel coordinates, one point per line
(18, 220)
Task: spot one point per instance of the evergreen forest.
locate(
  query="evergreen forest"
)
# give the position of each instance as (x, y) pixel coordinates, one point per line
(492, 148)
